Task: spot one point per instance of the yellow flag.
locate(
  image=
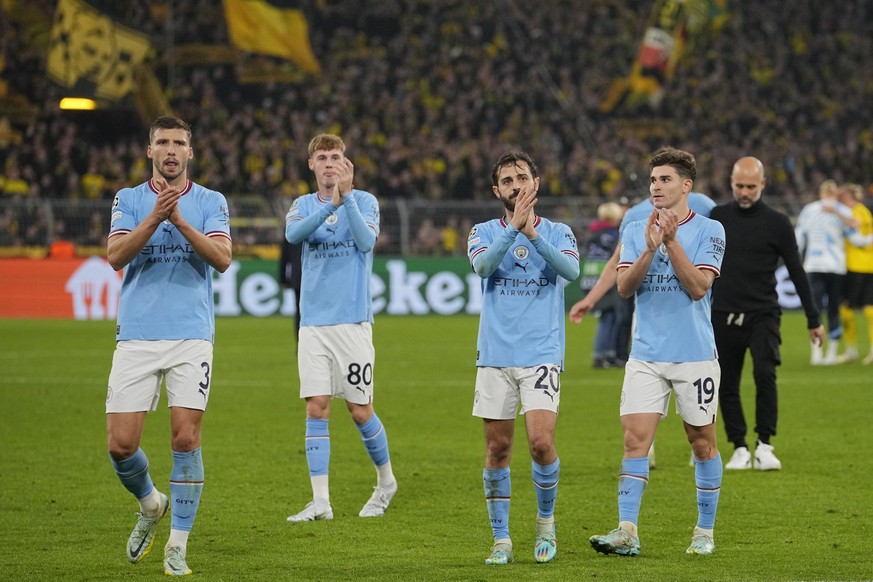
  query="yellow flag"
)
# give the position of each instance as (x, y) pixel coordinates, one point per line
(259, 27)
(90, 50)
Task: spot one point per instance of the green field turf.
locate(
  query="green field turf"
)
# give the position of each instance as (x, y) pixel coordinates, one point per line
(64, 515)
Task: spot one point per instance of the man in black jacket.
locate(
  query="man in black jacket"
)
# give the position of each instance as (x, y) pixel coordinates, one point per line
(746, 312)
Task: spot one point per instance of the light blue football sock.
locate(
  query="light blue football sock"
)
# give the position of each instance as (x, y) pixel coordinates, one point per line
(186, 486)
(632, 482)
(707, 476)
(375, 440)
(317, 446)
(498, 490)
(134, 473)
(545, 478)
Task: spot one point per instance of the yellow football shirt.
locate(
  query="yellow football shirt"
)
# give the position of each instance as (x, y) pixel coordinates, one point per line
(860, 259)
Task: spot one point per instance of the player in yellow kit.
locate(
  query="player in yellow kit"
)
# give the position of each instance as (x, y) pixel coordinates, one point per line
(858, 288)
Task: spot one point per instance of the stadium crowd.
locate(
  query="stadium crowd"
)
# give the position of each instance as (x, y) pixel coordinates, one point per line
(427, 92)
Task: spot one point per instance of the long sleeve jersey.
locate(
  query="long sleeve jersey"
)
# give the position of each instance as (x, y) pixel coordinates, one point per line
(757, 238)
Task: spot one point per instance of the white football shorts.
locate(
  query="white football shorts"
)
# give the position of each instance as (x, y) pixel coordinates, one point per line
(647, 387)
(140, 366)
(500, 390)
(337, 361)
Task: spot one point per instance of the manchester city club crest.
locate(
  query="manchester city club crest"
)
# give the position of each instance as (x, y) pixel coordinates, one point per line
(520, 252)
(663, 257)
(331, 219)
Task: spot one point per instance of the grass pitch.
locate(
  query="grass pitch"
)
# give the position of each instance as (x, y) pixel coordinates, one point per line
(66, 517)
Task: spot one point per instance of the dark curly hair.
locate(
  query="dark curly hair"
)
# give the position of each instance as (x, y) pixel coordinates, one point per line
(680, 160)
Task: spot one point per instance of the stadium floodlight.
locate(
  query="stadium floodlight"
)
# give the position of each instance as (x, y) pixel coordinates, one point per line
(78, 104)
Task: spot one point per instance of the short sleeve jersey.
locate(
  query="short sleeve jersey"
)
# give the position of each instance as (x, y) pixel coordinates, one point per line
(166, 292)
(522, 319)
(699, 203)
(860, 259)
(671, 327)
(335, 287)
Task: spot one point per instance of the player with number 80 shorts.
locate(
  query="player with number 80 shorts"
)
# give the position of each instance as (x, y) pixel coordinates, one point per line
(337, 361)
(337, 226)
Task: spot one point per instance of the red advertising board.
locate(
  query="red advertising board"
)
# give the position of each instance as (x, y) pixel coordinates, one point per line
(59, 288)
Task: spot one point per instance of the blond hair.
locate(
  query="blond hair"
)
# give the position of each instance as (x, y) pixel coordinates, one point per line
(609, 211)
(828, 189)
(326, 142)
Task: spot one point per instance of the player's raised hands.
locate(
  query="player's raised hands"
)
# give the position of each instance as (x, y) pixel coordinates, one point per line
(523, 217)
(167, 202)
(668, 222)
(653, 235)
(345, 174)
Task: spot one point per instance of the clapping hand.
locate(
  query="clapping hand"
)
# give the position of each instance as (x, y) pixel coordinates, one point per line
(167, 203)
(345, 172)
(668, 222)
(523, 217)
(653, 235)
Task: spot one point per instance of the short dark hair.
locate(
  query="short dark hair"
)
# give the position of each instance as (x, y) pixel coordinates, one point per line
(512, 158)
(169, 122)
(680, 160)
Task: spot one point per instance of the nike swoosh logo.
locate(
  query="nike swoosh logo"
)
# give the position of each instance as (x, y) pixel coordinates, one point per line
(138, 549)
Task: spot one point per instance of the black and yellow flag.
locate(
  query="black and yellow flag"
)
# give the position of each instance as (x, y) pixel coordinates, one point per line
(672, 24)
(260, 27)
(90, 51)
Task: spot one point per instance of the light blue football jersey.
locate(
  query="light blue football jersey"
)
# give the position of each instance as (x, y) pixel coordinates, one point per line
(821, 237)
(337, 256)
(166, 292)
(670, 327)
(522, 319)
(699, 203)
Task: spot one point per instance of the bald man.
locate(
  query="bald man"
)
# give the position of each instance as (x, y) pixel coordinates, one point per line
(746, 313)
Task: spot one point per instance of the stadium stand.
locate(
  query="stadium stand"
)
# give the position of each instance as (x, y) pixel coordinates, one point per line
(427, 93)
